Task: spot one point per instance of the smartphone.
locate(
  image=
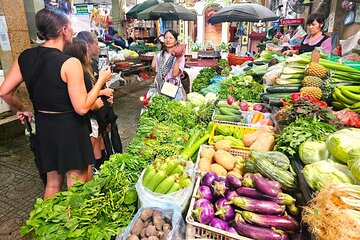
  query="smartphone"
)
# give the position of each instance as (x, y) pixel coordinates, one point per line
(103, 61)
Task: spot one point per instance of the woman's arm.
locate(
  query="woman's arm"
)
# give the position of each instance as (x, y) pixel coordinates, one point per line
(326, 45)
(72, 73)
(178, 65)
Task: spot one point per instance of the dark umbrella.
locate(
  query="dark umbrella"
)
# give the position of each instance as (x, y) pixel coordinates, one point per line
(243, 12)
(167, 11)
(133, 12)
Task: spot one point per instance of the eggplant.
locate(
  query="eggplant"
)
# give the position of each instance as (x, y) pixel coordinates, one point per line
(281, 198)
(224, 211)
(219, 224)
(285, 223)
(203, 211)
(231, 194)
(258, 233)
(234, 182)
(258, 206)
(273, 183)
(232, 230)
(204, 192)
(264, 186)
(219, 187)
(208, 178)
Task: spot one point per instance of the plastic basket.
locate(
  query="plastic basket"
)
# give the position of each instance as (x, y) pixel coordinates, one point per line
(244, 114)
(234, 152)
(195, 230)
(243, 129)
(238, 60)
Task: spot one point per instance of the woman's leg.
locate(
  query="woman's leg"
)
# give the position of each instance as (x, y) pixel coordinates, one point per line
(74, 175)
(53, 185)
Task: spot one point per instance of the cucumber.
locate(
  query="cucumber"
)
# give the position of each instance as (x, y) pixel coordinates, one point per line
(229, 111)
(275, 103)
(228, 106)
(283, 89)
(268, 96)
(234, 118)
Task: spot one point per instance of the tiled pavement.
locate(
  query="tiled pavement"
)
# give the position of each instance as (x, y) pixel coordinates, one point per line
(20, 184)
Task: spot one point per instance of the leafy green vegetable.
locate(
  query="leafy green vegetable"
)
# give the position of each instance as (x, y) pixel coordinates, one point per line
(322, 172)
(354, 162)
(202, 80)
(312, 151)
(303, 129)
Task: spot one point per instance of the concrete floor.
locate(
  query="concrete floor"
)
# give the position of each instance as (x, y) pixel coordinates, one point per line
(20, 184)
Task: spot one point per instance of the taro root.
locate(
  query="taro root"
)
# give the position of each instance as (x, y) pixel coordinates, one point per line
(137, 227)
(146, 214)
(133, 237)
(150, 231)
(166, 226)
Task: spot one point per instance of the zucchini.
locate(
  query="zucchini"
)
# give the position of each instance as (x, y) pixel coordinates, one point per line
(275, 103)
(283, 89)
(236, 107)
(234, 118)
(269, 170)
(229, 111)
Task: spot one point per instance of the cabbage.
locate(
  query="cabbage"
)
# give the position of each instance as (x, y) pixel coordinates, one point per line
(354, 162)
(196, 99)
(311, 152)
(322, 172)
(210, 97)
(341, 142)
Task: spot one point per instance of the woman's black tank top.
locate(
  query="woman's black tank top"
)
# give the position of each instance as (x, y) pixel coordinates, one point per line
(50, 91)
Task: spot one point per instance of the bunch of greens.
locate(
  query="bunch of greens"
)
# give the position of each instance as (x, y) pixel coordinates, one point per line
(305, 108)
(202, 80)
(303, 129)
(98, 209)
(243, 88)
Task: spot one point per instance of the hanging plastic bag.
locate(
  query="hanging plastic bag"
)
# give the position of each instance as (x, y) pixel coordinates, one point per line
(169, 211)
(349, 44)
(180, 198)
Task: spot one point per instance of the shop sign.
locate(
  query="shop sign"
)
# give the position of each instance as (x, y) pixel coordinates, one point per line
(292, 21)
(84, 8)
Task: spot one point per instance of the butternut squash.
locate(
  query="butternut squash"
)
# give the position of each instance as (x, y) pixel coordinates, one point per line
(264, 143)
(225, 159)
(250, 138)
(218, 169)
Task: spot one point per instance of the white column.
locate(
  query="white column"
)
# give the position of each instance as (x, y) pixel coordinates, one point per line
(200, 28)
(225, 32)
(186, 33)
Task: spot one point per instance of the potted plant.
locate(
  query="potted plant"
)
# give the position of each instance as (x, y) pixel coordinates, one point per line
(223, 48)
(195, 48)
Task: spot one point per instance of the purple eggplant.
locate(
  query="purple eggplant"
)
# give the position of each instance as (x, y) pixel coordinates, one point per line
(248, 180)
(285, 223)
(232, 230)
(208, 178)
(219, 187)
(281, 198)
(258, 206)
(273, 183)
(224, 211)
(233, 181)
(231, 194)
(258, 233)
(264, 187)
(219, 224)
(205, 192)
(203, 211)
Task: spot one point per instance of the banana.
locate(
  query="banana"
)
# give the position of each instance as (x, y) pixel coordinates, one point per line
(355, 105)
(350, 95)
(338, 105)
(355, 89)
(341, 98)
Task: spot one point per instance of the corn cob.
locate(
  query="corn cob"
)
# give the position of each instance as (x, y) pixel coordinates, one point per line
(175, 187)
(149, 176)
(185, 182)
(178, 169)
(156, 180)
(148, 169)
(165, 185)
(171, 166)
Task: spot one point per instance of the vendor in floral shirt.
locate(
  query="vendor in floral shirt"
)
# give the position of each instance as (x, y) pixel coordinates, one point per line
(314, 38)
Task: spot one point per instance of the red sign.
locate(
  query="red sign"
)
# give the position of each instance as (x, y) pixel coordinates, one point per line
(292, 21)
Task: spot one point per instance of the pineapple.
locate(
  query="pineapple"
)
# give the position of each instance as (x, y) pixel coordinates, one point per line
(311, 81)
(313, 92)
(316, 70)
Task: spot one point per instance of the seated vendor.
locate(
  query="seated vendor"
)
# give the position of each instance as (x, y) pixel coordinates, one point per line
(314, 38)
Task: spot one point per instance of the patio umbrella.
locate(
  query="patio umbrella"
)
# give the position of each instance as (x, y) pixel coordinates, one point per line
(243, 12)
(133, 12)
(167, 11)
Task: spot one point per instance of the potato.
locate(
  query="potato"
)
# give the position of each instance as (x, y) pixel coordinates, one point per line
(225, 159)
(133, 237)
(150, 231)
(146, 214)
(165, 235)
(207, 153)
(142, 234)
(223, 145)
(137, 227)
(236, 174)
(218, 169)
(239, 159)
(153, 238)
(204, 164)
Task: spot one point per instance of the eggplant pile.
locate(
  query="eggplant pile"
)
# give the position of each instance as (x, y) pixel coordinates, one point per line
(252, 206)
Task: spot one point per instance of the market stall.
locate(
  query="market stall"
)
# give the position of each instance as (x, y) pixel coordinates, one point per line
(249, 155)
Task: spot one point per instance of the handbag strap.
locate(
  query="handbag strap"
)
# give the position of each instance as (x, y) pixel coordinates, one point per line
(38, 71)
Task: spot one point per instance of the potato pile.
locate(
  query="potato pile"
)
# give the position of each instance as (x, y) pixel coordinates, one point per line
(220, 161)
(151, 225)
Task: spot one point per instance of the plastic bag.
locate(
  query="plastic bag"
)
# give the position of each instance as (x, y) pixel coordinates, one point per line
(169, 211)
(180, 198)
(349, 44)
(298, 36)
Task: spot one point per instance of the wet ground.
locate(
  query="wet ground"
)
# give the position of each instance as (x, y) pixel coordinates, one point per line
(20, 184)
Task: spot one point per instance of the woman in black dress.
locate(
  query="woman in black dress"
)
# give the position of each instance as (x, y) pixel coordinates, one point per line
(55, 83)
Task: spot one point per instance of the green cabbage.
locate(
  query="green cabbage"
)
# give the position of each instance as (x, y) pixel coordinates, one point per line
(326, 171)
(354, 162)
(311, 152)
(341, 142)
(196, 99)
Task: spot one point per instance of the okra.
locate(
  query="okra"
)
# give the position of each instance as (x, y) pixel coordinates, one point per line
(156, 180)
(165, 185)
